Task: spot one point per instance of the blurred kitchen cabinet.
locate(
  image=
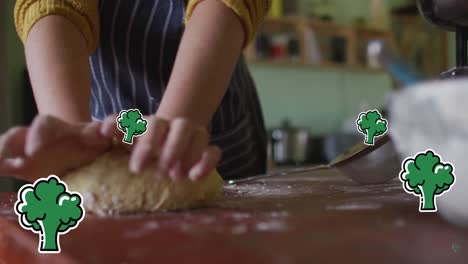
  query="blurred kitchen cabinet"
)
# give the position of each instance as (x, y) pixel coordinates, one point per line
(421, 44)
(304, 42)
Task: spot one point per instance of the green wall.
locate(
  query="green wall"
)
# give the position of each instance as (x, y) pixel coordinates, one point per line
(317, 99)
(346, 10)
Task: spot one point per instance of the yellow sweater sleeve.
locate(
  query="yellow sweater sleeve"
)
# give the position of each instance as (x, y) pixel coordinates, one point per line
(82, 13)
(250, 12)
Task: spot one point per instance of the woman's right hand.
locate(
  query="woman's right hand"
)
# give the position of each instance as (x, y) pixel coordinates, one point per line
(179, 148)
(49, 146)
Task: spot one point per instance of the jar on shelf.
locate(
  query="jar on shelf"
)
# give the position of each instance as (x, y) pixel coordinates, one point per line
(279, 46)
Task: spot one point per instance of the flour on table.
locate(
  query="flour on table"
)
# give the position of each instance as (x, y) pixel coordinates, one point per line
(271, 226)
(354, 206)
(239, 229)
(147, 228)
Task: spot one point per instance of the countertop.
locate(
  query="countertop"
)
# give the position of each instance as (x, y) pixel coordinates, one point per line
(318, 216)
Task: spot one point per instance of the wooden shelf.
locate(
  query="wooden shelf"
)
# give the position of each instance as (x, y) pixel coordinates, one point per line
(300, 26)
(325, 25)
(322, 66)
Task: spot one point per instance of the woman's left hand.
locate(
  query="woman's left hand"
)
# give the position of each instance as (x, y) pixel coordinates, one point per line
(50, 146)
(179, 147)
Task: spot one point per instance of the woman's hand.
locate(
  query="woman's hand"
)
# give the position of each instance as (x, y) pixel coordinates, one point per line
(179, 148)
(49, 146)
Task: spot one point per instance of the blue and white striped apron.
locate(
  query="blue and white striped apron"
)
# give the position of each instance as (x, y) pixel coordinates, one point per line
(131, 68)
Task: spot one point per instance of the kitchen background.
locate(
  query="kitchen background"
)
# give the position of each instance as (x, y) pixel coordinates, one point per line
(310, 65)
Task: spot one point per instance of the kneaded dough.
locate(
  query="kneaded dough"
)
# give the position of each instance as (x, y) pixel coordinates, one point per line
(108, 187)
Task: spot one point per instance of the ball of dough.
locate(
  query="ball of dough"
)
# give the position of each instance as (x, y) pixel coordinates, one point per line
(108, 187)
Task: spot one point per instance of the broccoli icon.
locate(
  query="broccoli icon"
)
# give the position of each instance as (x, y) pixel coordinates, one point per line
(132, 124)
(48, 209)
(427, 177)
(372, 125)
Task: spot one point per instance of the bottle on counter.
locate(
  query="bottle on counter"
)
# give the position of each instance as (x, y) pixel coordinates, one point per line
(276, 10)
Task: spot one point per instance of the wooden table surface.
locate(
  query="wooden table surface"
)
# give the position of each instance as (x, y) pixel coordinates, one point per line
(313, 217)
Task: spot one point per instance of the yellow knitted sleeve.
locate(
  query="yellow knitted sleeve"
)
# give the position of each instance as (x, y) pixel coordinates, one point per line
(83, 14)
(250, 12)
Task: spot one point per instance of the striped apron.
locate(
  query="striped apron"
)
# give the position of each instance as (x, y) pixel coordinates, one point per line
(131, 68)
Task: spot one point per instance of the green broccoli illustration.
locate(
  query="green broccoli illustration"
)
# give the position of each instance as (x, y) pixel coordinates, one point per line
(372, 125)
(132, 124)
(48, 209)
(427, 177)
